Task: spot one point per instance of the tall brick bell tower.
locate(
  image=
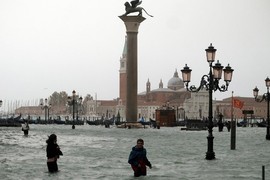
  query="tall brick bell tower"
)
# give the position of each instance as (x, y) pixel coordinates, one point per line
(123, 74)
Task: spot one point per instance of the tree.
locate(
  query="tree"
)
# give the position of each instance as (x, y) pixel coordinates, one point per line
(58, 99)
(88, 97)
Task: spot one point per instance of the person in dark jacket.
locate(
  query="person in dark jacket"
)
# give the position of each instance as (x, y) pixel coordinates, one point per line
(25, 128)
(138, 159)
(53, 153)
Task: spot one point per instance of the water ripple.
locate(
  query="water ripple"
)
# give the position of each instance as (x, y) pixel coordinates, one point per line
(95, 152)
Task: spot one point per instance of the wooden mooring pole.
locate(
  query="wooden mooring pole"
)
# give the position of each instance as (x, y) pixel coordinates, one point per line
(233, 127)
(263, 173)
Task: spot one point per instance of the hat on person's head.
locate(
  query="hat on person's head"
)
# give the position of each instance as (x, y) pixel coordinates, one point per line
(51, 138)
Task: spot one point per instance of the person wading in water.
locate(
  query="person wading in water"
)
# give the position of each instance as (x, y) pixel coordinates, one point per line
(53, 153)
(138, 159)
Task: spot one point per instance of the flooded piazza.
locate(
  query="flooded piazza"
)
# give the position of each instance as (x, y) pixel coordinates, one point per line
(96, 152)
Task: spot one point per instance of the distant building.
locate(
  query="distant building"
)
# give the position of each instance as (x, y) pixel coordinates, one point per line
(186, 104)
(197, 106)
(259, 109)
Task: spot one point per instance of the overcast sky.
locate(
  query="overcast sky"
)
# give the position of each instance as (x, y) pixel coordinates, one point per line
(65, 45)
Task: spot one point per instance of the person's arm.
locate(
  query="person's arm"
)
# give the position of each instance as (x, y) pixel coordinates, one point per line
(132, 158)
(147, 162)
(59, 152)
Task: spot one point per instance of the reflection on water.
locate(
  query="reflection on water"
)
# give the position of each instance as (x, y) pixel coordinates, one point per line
(95, 152)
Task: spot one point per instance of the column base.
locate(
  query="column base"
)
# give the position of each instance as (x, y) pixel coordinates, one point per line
(210, 154)
(131, 125)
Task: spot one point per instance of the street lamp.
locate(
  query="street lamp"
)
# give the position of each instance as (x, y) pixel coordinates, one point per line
(74, 101)
(182, 113)
(46, 107)
(211, 83)
(266, 97)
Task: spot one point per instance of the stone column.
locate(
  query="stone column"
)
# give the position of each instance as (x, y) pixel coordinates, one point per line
(132, 24)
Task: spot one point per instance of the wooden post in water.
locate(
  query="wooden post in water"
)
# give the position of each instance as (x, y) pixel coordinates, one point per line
(233, 127)
(263, 173)
(233, 134)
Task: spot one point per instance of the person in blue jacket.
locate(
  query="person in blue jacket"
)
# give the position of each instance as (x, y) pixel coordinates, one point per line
(138, 159)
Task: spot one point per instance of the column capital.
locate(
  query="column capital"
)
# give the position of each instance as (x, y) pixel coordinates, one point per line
(132, 22)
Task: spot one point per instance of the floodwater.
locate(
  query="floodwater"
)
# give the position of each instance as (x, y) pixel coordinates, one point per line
(96, 152)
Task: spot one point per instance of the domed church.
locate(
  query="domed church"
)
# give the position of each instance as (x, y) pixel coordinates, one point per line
(175, 93)
(175, 82)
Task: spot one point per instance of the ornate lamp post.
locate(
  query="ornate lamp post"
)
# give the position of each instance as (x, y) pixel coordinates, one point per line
(74, 101)
(211, 83)
(46, 107)
(266, 97)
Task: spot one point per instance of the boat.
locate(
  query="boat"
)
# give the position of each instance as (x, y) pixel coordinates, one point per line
(11, 121)
(242, 123)
(262, 124)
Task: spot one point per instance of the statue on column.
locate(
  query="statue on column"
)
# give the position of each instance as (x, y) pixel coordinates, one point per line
(135, 3)
(133, 7)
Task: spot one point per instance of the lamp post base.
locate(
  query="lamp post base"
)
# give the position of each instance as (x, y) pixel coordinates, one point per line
(267, 130)
(210, 154)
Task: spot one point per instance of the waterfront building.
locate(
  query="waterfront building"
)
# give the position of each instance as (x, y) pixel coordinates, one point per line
(186, 105)
(196, 107)
(258, 110)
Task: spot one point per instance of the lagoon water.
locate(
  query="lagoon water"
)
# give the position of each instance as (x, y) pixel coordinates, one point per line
(95, 152)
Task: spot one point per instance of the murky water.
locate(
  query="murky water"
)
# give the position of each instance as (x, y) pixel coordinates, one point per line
(95, 152)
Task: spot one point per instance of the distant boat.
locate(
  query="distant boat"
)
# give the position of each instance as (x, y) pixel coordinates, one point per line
(242, 123)
(101, 121)
(75, 122)
(58, 121)
(11, 121)
(262, 124)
